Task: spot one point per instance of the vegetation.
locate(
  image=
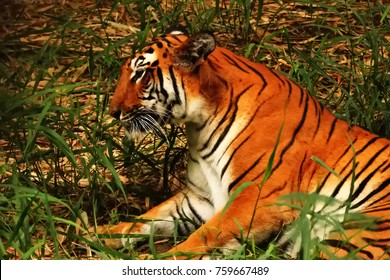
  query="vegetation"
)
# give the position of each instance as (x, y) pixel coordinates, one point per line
(65, 164)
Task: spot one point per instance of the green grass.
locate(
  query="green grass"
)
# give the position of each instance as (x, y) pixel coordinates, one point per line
(62, 157)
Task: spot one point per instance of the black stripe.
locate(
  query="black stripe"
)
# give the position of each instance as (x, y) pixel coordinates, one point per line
(375, 243)
(338, 187)
(184, 91)
(176, 38)
(380, 188)
(382, 221)
(349, 162)
(347, 166)
(315, 103)
(347, 247)
(275, 190)
(256, 72)
(220, 122)
(239, 178)
(385, 168)
(278, 76)
(232, 155)
(381, 199)
(189, 182)
(200, 220)
(363, 184)
(318, 125)
(367, 226)
(183, 220)
(289, 83)
(192, 159)
(203, 125)
(223, 81)
(161, 80)
(331, 129)
(228, 126)
(180, 231)
(209, 119)
(233, 62)
(376, 208)
(169, 43)
(239, 134)
(318, 114)
(369, 143)
(157, 92)
(175, 89)
(357, 153)
(321, 107)
(211, 65)
(293, 137)
(301, 171)
(303, 93)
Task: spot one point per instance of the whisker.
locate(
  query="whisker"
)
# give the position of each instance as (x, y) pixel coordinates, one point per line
(155, 126)
(144, 119)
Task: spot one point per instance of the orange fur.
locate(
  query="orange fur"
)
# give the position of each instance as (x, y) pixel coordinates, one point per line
(234, 110)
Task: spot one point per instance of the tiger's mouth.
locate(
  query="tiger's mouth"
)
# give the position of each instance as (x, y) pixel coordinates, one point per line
(141, 121)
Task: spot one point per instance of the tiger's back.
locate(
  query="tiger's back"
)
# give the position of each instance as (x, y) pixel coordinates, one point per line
(239, 115)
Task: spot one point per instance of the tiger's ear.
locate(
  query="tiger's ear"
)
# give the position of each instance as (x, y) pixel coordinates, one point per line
(194, 51)
(176, 29)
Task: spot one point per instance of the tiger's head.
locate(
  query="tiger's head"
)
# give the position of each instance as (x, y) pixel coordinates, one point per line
(159, 83)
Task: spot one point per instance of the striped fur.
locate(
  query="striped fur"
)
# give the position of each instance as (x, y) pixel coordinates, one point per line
(234, 110)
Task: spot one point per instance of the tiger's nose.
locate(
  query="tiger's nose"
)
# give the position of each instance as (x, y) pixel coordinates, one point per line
(115, 113)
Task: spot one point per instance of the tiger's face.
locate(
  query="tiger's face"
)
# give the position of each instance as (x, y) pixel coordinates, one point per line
(156, 85)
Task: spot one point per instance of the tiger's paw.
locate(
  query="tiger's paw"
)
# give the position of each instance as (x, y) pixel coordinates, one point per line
(111, 236)
(143, 257)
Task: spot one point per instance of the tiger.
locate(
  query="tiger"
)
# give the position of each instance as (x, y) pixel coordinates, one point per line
(253, 137)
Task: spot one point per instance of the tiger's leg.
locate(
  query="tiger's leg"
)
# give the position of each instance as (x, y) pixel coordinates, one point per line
(366, 236)
(246, 216)
(190, 208)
